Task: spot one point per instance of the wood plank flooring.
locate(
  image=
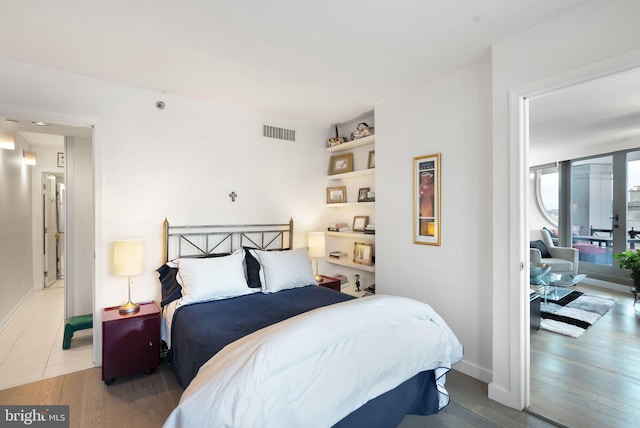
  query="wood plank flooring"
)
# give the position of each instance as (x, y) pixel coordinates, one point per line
(593, 380)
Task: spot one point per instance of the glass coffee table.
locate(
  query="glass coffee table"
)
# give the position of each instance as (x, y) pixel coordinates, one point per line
(554, 280)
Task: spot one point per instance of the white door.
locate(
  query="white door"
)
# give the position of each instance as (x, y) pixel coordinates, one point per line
(50, 229)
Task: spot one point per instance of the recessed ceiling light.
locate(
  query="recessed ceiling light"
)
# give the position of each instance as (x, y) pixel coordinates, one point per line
(39, 123)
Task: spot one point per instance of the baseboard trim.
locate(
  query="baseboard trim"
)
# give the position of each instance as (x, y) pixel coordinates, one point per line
(11, 315)
(474, 371)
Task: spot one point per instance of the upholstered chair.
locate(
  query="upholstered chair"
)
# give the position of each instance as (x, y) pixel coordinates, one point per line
(561, 259)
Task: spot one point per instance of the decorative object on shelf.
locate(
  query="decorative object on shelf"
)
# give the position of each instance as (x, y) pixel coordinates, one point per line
(370, 229)
(337, 254)
(61, 159)
(128, 261)
(357, 277)
(426, 202)
(338, 227)
(362, 194)
(372, 159)
(363, 253)
(316, 243)
(362, 130)
(360, 223)
(339, 164)
(336, 194)
(335, 141)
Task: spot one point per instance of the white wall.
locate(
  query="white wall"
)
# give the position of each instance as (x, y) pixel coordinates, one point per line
(179, 163)
(573, 47)
(16, 281)
(451, 116)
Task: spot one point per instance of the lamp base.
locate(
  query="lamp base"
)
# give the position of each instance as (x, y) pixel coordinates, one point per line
(129, 308)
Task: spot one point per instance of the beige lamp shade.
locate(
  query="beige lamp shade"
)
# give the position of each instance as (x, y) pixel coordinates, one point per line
(128, 257)
(7, 141)
(316, 243)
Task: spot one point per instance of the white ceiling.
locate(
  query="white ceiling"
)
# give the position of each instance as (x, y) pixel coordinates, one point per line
(317, 61)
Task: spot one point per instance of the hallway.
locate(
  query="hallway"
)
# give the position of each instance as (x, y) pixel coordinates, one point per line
(31, 345)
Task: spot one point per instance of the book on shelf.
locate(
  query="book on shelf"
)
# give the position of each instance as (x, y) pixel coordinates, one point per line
(338, 227)
(344, 281)
(337, 254)
(370, 229)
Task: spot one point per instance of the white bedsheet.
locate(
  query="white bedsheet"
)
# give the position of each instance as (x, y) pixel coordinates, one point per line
(167, 319)
(307, 371)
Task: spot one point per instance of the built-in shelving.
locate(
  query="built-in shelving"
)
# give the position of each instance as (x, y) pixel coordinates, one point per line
(353, 144)
(352, 174)
(347, 263)
(350, 204)
(356, 235)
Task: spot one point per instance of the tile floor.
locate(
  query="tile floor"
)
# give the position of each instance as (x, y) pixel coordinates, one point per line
(31, 344)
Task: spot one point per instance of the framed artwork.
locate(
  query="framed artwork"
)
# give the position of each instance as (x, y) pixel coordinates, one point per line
(426, 199)
(336, 195)
(363, 194)
(360, 223)
(61, 159)
(339, 164)
(362, 253)
(372, 159)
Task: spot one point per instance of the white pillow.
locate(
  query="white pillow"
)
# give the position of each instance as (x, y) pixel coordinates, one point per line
(285, 269)
(213, 278)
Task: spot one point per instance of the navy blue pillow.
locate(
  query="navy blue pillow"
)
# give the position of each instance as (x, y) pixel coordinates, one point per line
(253, 269)
(544, 251)
(171, 290)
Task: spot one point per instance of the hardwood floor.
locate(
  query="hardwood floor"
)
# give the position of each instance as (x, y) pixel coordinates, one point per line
(594, 380)
(145, 401)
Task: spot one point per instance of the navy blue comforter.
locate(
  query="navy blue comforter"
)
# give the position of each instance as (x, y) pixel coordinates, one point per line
(201, 330)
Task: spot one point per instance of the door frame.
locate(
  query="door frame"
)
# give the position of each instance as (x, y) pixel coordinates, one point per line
(519, 361)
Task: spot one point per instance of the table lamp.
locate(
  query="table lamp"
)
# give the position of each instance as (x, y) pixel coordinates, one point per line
(315, 241)
(127, 261)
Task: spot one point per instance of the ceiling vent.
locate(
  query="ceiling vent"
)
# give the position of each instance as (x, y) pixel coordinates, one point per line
(269, 131)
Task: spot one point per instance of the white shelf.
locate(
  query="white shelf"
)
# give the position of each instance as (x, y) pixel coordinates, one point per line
(350, 204)
(352, 174)
(345, 262)
(356, 235)
(352, 144)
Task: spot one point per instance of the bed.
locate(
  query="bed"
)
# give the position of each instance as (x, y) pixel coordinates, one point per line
(255, 342)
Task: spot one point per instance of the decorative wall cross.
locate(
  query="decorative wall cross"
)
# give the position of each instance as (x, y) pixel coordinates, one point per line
(233, 196)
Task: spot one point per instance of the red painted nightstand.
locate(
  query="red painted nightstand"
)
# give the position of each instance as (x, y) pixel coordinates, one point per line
(130, 343)
(329, 282)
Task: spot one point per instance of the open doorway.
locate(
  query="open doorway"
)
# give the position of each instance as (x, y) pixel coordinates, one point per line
(592, 129)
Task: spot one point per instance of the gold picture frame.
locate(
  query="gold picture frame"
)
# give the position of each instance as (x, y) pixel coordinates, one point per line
(360, 223)
(426, 199)
(336, 195)
(363, 194)
(372, 159)
(339, 164)
(363, 253)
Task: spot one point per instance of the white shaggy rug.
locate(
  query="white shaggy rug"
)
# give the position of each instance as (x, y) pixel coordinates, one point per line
(574, 314)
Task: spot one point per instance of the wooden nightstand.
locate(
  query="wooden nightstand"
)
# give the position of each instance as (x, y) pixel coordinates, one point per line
(329, 282)
(130, 343)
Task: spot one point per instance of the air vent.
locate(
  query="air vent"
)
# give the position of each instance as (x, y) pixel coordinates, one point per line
(269, 131)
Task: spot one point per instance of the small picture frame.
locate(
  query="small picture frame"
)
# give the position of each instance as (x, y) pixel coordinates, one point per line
(336, 195)
(362, 253)
(372, 159)
(339, 164)
(61, 159)
(363, 194)
(360, 223)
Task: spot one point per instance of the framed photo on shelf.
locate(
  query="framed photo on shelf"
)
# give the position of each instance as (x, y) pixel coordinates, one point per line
(426, 199)
(339, 164)
(372, 159)
(363, 194)
(360, 223)
(336, 195)
(362, 253)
